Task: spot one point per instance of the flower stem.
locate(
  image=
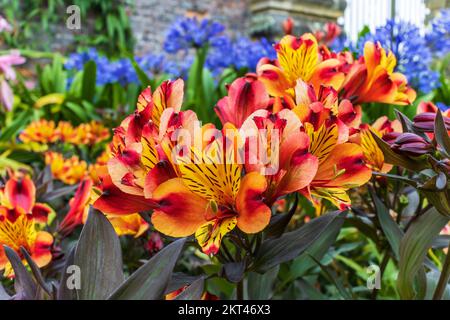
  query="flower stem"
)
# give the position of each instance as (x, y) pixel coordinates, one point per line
(443, 279)
(240, 290)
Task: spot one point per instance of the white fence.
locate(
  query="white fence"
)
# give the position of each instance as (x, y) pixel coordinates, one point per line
(374, 13)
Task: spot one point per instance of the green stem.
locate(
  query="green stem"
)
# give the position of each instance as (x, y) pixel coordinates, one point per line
(443, 279)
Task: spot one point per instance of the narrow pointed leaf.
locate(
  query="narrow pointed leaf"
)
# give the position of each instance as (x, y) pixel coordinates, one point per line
(413, 249)
(99, 257)
(64, 292)
(3, 294)
(150, 281)
(291, 244)
(36, 272)
(193, 292)
(441, 134)
(259, 286)
(391, 230)
(25, 287)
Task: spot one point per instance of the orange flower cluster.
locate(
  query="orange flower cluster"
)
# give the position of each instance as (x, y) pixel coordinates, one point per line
(21, 219)
(46, 132)
(291, 128)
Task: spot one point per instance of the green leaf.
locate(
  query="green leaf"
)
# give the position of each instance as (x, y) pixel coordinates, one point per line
(391, 230)
(142, 76)
(89, 80)
(99, 257)
(14, 127)
(79, 112)
(291, 244)
(432, 282)
(441, 134)
(25, 287)
(317, 250)
(259, 286)
(193, 292)
(149, 282)
(413, 249)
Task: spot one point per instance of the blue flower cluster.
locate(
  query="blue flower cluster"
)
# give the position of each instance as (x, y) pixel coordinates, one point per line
(240, 53)
(121, 70)
(414, 57)
(442, 106)
(438, 37)
(186, 33)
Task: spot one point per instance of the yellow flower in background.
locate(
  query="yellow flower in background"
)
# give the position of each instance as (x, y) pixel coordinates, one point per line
(41, 131)
(132, 224)
(91, 133)
(46, 132)
(65, 131)
(69, 171)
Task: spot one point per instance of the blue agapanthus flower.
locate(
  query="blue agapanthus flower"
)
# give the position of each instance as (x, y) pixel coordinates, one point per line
(239, 53)
(438, 37)
(342, 43)
(413, 55)
(188, 33)
(442, 106)
(121, 70)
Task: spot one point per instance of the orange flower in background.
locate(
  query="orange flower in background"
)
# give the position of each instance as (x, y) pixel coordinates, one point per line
(66, 132)
(20, 220)
(372, 79)
(17, 198)
(78, 208)
(41, 131)
(132, 224)
(69, 171)
(298, 58)
(90, 133)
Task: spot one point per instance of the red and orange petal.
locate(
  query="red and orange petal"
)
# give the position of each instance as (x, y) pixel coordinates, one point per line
(179, 211)
(41, 212)
(245, 95)
(132, 224)
(20, 192)
(41, 253)
(253, 214)
(344, 168)
(114, 201)
(210, 234)
(168, 95)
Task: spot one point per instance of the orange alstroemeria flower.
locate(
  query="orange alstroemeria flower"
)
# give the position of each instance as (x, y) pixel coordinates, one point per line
(128, 225)
(341, 166)
(298, 58)
(245, 95)
(90, 133)
(372, 79)
(20, 220)
(78, 205)
(17, 198)
(281, 155)
(41, 131)
(70, 171)
(211, 198)
(323, 107)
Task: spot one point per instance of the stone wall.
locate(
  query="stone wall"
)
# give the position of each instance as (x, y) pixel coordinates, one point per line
(150, 19)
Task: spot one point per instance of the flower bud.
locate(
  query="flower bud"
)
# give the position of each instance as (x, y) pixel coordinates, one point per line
(411, 144)
(425, 122)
